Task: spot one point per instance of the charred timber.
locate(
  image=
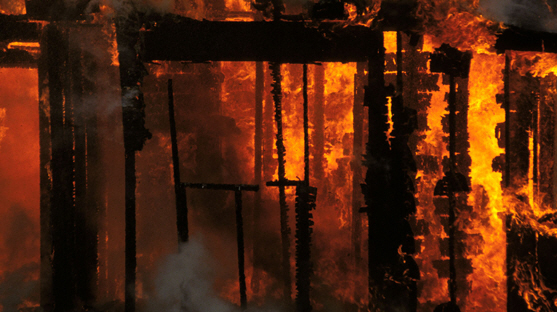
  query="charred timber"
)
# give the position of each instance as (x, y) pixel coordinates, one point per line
(181, 202)
(356, 163)
(403, 174)
(17, 58)
(59, 10)
(135, 135)
(18, 28)
(181, 39)
(305, 203)
(45, 151)
(382, 244)
(519, 39)
(281, 152)
(241, 251)
(223, 187)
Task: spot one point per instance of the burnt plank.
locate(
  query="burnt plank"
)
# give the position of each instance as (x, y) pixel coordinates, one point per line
(181, 39)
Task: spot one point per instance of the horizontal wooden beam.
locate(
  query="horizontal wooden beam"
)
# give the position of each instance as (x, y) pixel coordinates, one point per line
(222, 187)
(520, 39)
(18, 28)
(181, 39)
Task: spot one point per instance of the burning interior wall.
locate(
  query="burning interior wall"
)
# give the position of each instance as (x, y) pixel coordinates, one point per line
(449, 152)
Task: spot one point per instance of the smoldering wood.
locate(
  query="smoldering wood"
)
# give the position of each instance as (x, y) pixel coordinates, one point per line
(180, 39)
(318, 118)
(356, 163)
(281, 151)
(455, 64)
(306, 122)
(181, 201)
(382, 249)
(521, 97)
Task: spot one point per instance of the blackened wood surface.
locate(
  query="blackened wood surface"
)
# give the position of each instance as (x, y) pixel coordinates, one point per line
(95, 177)
(135, 135)
(521, 242)
(305, 203)
(62, 204)
(258, 156)
(181, 202)
(285, 42)
(357, 157)
(382, 250)
(514, 38)
(318, 117)
(281, 151)
(546, 130)
(18, 28)
(46, 291)
(82, 217)
(241, 252)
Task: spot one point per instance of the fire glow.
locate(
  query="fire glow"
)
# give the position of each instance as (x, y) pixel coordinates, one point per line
(379, 117)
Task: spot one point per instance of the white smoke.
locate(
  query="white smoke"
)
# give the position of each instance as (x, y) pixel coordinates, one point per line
(540, 15)
(185, 283)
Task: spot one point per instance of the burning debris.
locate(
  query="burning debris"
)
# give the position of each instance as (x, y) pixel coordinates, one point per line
(415, 140)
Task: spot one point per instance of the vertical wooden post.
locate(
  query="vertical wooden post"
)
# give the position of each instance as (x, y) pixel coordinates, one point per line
(258, 161)
(62, 204)
(284, 228)
(46, 291)
(135, 135)
(181, 202)
(240, 241)
(356, 164)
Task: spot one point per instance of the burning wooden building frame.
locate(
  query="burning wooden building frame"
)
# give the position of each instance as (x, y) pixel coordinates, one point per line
(416, 141)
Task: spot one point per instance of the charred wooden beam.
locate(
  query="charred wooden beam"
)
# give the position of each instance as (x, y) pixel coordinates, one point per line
(318, 133)
(356, 163)
(241, 252)
(135, 134)
(520, 98)
(59, 10)
(45, 153)
(95, 177)
(306, 123)
(281, 151)
(455, 64)
(85, 223)
(403, 173)
(62, 202)
(258, 157)
(181, 202)
(305, 203)
(180, 39)
(17, 58)
(18, 28)
(222, 187)
(382, 245)
(520, 39)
